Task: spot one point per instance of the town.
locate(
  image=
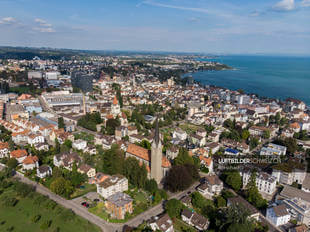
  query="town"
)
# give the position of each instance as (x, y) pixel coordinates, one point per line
(130, 142)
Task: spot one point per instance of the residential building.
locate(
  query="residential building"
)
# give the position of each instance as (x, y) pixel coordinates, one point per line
(4, 150)
(297, 202)
(211, 186)
(118, 205)
(238, 200)
(273, 149)
(88, 170)
(266, 184)
(67, 160)
(19, 155)
(162, 223)
(278, 215)
(30, 162)
(79, 144)
(112, 185)
(44, 171)
(194, 219)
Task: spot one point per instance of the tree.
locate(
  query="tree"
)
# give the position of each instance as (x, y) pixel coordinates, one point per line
(178, 178)
(220, 202)
(61, 123)
(234, 180)
(245, 134)
(111, 161)
(151, 186)
(62, 187)
(12, 163)
(111, 125)
(234, 218)
(198, 200)
(23, 189)
(136, 173)
(57, 146)
(266, 134)
(252, 193)
(183, 157)
(253, 142)
(174, 208)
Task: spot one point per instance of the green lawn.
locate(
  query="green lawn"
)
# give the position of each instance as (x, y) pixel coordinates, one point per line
(179, 225)
(80, 192)
(21, 216)
(85, 136)
(189, 128)
(140, 205)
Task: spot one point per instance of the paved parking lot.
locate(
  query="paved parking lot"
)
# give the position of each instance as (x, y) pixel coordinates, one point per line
(91, 196)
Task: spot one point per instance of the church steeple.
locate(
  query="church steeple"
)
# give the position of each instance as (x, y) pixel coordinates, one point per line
(156, 137)
(156, 156)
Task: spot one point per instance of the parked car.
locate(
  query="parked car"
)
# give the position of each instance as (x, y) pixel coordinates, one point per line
(85, 204)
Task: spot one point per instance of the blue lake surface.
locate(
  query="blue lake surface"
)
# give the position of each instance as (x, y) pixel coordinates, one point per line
(269, 76)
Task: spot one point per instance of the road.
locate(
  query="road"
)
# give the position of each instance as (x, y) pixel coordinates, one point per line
(79, 210)
(83, 212)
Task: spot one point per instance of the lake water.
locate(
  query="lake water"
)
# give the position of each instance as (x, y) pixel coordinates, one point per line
(275, 77)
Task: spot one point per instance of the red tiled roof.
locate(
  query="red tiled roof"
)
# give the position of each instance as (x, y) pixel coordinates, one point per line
(31, 160)
(18, 153)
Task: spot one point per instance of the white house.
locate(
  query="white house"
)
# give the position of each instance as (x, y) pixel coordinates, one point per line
(265, 183)
(19, 155)
(30, 162)
(212, 186)
(44, 171)
(4, 150)
(112, 185)
(79, 144)
(195, 219)
(179, 134)
(35, 139)
(278, 215)
(88, 170)
(163, 223)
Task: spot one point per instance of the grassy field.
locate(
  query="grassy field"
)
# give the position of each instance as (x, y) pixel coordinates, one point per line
(21, 217)
(189, 128)
(85, 136)
(179, 225)
(80, 191)
(140, 205)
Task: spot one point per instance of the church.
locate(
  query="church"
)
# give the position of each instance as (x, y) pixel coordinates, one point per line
(156, 163)
(115, 107)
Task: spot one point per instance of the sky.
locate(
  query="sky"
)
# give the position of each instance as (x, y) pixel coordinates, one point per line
(206, 26)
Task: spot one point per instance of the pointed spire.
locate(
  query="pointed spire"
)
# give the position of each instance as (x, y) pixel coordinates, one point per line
(115, 101)
(156, 137)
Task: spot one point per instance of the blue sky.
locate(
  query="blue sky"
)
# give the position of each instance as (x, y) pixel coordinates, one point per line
(210, 26)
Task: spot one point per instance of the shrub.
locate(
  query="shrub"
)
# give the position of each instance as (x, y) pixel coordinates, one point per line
(36, 218)
(9, 201)
(46, 224)
(23, 189)
(11, 228)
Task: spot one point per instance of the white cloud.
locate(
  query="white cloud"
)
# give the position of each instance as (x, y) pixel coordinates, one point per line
(8, 20)
(43, 26)
(152, 3)
(44, 29)
(42, 22)
(193, 19)
(255, 13)
(305, 3)
(284, 5)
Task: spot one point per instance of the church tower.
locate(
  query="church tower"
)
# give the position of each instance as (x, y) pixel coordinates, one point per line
(115, 108)
(156, 157)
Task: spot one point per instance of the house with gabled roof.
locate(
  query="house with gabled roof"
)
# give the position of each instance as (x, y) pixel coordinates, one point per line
(30, 162)
(4, 150)
(19, 155)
